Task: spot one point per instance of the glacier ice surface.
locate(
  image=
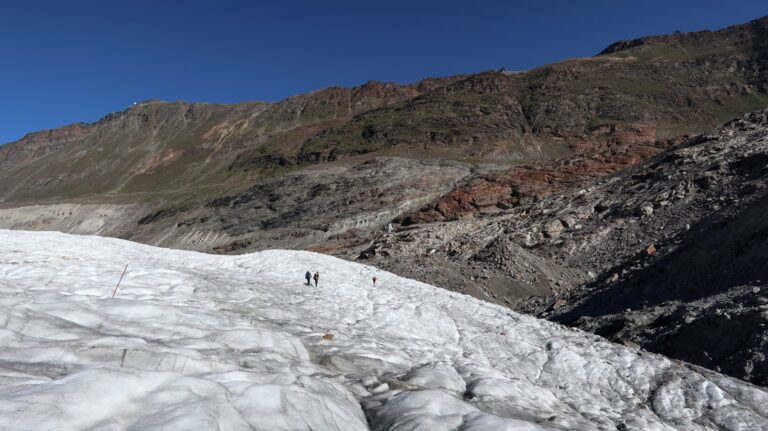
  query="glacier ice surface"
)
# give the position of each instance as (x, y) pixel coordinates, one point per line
(196, 341)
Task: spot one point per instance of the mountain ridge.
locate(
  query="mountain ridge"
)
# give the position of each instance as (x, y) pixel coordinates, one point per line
(490, 117)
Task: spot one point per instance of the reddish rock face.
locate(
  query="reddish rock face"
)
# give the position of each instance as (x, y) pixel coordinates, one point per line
(605, 150)
(385, 90)
(41, 143)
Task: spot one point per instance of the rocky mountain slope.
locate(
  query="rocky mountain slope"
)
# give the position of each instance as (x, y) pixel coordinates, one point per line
(298, 209)
(690, 280)
(666, 254)
(160, 148)
(194, 341)
(679, 84)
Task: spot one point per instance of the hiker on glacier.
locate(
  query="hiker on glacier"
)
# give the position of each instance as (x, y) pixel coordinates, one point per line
(308, 276)
(316, 277)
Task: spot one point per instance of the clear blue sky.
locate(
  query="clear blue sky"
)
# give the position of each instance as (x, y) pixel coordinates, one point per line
(68, 61)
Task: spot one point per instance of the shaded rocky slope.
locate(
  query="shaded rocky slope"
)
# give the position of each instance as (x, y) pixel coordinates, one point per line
(298, 209)
(668, 254)
(309, 207)
(695, 286)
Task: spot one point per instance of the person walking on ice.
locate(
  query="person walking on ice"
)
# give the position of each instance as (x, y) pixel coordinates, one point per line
(374, 281)
(308, 276)
(316, 277)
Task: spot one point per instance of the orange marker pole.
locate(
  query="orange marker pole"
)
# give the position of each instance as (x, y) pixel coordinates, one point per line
(121, 279)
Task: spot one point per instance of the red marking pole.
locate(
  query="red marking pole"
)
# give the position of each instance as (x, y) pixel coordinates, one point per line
(121, 279)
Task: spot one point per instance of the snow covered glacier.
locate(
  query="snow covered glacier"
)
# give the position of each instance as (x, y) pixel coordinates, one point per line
(193, 341)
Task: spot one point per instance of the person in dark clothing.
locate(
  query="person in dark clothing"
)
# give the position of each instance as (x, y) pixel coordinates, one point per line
(316, 277)
(308, 276)
(374, 281)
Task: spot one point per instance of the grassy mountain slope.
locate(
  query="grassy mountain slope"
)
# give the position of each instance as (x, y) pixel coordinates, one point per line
(682, 83)
(157, 147)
